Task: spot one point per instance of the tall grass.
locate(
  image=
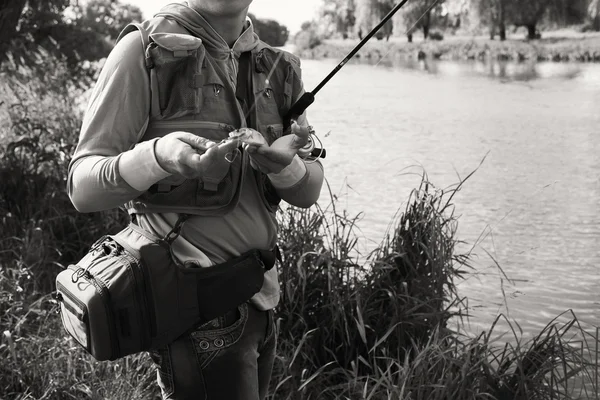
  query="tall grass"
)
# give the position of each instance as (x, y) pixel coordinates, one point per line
(378, 329)
(381, 329)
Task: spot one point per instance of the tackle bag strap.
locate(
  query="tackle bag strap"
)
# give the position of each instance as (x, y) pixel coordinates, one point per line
(176, 231)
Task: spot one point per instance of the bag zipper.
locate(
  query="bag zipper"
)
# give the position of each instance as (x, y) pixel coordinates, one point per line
(135, 265)
(149, 299)
(64, 291)
(112, 328)
(146, 311)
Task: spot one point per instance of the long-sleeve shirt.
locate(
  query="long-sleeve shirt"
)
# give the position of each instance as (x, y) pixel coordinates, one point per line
(110, 168)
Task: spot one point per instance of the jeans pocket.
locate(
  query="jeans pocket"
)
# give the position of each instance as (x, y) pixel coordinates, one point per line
(271, 331)
(218, 335)
(162, 358)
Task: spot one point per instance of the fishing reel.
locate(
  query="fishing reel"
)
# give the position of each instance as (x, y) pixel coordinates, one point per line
(310, 149)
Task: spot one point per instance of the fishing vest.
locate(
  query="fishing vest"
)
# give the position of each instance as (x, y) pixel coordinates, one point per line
(190, 92)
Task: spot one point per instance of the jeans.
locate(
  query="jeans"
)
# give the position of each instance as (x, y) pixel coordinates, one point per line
(228, 358)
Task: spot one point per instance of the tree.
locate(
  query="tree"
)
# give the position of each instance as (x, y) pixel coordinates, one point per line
(594, 14)
(338, 15)
(421, 14)
(72, 34)
(270, 31)
(19, 19)
(383, 9)
(369, 13)
(107, 17)
(529, 13)
(366, 14)
(493, 13)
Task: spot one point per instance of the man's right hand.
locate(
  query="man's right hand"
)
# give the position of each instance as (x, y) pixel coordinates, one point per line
(188, 155)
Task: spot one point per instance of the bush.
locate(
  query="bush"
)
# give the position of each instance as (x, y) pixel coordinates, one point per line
(436, 35)
(270, 31)
(307, 39)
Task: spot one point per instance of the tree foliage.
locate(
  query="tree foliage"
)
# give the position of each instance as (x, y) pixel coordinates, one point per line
(107, 17)
(81, 33)
(270, 31)
(338, 16)
(369, 13)
(22, 20)
(423, 15)
(360, 16)
(530, 13)
(594, 13)
(498, 14)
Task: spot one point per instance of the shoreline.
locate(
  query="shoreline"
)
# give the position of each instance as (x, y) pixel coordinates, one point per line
(582, 48)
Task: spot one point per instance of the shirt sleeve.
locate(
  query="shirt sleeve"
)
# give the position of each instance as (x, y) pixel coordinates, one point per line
(104, 172)
(307, 190)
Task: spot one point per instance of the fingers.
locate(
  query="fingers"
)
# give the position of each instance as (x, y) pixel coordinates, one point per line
(198, 143)
(301, 135)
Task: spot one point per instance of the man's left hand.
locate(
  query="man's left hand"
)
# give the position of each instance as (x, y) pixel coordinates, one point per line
(274, 158)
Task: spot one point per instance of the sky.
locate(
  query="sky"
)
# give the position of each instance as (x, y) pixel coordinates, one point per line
(287, 12)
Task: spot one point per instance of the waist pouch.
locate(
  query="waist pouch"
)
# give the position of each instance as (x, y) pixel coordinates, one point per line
(127, 295)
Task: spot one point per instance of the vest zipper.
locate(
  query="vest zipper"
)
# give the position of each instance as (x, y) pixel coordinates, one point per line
(234, 68)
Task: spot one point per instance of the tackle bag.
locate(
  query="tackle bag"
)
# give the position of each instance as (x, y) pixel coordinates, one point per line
(127, 295)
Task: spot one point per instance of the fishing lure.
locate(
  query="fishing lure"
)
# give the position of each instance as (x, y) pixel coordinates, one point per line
(253, 137)
(245, 135)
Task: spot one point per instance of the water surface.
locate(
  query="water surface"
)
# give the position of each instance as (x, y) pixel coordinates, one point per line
(533, 205)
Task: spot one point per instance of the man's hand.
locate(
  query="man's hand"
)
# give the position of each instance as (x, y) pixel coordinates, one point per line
(274, 158)
(188, 155)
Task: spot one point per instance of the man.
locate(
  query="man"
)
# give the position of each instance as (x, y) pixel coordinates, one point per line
(153, 141)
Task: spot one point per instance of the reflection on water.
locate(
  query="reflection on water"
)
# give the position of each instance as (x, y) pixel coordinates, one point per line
(496, 69)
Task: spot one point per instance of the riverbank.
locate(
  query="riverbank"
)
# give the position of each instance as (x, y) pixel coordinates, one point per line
(552, 47)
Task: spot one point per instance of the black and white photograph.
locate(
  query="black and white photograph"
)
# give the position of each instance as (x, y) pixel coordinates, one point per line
(300, 200)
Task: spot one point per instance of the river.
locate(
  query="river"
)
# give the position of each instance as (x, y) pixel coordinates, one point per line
(533, 205)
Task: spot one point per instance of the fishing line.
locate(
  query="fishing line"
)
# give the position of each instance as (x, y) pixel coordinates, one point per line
(410, 29)
(308, 98)
(267, 83)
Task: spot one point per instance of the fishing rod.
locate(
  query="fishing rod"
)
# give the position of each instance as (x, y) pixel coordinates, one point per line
(309, 97)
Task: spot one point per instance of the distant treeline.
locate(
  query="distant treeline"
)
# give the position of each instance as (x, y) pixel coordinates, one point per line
(357, 17)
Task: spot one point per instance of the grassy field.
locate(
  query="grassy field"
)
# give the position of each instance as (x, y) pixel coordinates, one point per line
(561, 45)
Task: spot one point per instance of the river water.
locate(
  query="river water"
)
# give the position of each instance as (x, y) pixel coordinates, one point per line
(533, 205)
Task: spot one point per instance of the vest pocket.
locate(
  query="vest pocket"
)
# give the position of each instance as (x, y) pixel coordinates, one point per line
(194, 195)
(175, 70)
(215, 189)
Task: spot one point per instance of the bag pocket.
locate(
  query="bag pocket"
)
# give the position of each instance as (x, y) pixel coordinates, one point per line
(104, 303)
(222, 288)
(176, 69)
(79, 297)
(74, 315)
